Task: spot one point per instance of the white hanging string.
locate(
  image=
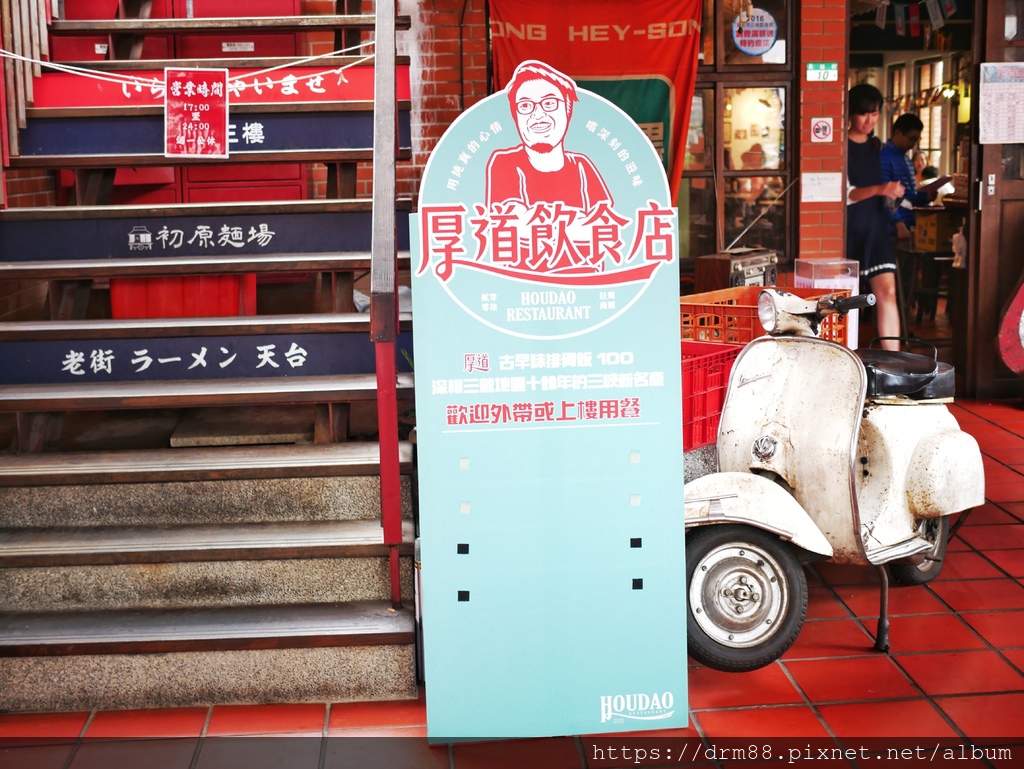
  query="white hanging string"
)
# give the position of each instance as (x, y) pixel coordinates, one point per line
(108, 77)
(140, 82)
(238, 81)
(299, 62)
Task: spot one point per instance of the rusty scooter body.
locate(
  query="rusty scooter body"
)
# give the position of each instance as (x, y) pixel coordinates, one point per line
(824, 453)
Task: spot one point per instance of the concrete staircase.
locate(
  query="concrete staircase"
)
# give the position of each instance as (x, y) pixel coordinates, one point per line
(162, 574)
(174, 594)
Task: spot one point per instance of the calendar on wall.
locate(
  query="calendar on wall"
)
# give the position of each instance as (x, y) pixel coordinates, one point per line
(1001, 116)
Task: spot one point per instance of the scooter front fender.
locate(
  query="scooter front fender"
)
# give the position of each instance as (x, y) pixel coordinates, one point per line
(946, 475)
(753, 500)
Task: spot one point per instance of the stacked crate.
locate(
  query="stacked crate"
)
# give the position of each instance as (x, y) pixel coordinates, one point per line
(714, 326)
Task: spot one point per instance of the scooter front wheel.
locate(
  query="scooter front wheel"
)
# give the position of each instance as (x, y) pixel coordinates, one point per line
(921, 569)
(747, 597)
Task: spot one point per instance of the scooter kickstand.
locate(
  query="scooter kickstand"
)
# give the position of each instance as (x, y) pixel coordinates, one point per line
(882, 635)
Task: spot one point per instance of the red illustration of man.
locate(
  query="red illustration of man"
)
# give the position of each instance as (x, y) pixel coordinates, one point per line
(540, 169)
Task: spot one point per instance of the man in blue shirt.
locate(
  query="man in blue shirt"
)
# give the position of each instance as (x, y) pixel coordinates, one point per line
(896, 167)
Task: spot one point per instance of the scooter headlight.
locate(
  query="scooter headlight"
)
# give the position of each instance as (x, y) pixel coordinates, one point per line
(766, 312)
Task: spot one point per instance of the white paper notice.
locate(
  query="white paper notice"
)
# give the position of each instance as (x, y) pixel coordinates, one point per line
(821, 188)
(1002, 104)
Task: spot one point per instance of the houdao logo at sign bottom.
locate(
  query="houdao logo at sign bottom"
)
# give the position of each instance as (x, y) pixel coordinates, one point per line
(637, 707)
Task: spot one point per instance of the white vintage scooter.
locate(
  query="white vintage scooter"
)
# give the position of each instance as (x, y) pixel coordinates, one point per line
(823, 453)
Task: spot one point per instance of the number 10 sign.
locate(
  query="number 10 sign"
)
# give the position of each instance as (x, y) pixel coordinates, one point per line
(822, 72)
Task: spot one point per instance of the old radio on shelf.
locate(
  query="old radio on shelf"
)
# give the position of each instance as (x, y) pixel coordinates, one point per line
(736, 267)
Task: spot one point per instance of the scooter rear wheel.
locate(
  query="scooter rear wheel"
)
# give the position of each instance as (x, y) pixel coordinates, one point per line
(922, 569)
(747, 597)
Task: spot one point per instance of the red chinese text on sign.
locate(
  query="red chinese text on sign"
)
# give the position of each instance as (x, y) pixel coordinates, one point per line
(548, 241)
(196, 113)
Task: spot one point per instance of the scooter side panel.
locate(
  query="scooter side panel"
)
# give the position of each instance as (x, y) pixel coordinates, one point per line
(793, 409)
(753, 500)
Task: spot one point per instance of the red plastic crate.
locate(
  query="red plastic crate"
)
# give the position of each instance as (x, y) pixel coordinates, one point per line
(730, 315)
(706, 368)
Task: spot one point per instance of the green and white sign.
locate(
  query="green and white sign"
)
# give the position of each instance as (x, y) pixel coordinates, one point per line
(548, 408)
(821, 72)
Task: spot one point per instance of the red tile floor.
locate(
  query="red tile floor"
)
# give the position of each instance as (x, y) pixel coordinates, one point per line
(955, 675)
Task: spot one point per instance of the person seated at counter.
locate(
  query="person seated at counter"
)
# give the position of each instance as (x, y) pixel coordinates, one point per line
(920, 163)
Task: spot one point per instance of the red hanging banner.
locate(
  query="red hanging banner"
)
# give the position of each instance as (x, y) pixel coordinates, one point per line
(291, 85)
(643, 57)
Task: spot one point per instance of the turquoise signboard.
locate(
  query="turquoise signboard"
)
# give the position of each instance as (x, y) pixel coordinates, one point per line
(548, 410)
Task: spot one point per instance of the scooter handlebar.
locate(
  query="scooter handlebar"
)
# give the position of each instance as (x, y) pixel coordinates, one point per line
(843, 304)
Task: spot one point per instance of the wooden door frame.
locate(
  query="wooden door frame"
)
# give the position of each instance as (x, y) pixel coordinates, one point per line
(985, 376)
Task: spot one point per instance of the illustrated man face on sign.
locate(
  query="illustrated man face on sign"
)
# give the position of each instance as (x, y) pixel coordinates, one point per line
(542, 101)
(540, 169)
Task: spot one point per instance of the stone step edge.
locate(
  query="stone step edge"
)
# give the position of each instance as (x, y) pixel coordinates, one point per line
(197, 464)
(101, 545)
(364, 623)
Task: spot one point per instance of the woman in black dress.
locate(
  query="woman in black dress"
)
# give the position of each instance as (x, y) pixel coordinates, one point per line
(867, 215)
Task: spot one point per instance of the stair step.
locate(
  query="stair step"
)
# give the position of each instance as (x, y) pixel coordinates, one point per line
(266, 62)
(196, 393)
(119, 160)
(222, 502)
(218, 25)
(77, 269)
(261, 62)
(197, 464)
(206, 542)
(233, 628)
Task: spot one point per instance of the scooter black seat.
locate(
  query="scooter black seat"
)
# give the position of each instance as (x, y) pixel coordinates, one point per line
(905, 373)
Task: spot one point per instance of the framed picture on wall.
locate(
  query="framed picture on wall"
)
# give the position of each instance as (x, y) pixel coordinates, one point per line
(755, 129)
(741, 134)
(727, 132)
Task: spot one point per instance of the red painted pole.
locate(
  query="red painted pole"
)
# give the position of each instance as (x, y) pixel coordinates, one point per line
(390, 469)
(4, 151)
(396, 577)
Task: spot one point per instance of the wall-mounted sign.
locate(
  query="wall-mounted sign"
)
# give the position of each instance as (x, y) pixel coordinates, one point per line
(754, 31)
(77, 361)
(190, 234)
(821, 188)
(821, 129)
(248, 132)
(196, 113)
(823, 72)
(1001, 117)
(549, 422)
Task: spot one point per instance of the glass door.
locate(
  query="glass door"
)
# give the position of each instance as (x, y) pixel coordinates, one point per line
(739, 168)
